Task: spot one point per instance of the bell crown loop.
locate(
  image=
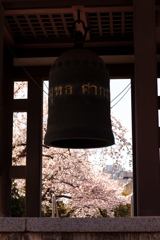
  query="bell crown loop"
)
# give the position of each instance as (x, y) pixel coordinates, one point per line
(78, 36)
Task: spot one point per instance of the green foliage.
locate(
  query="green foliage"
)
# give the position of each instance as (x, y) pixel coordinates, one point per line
(62, 211)
(18, 207)
(102, 213)
(125, 193)
(123, 211)
(47, 212)
(128, 189)
(17, 203)
(120, 211)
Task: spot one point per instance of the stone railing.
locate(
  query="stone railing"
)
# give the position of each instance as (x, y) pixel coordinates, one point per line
(137, 228)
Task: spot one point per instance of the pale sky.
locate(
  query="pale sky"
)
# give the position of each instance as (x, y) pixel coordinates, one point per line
(122, 110)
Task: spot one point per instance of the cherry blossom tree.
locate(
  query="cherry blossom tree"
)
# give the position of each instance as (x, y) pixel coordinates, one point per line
(72, 175)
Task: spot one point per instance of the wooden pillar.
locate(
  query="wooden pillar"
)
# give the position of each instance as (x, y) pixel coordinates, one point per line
(6, 94)
(146, 110)
(1, 69)
(1, 106)
(34, 149)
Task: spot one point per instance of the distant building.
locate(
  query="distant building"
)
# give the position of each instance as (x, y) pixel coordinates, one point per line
(117, 172)
(124, 177)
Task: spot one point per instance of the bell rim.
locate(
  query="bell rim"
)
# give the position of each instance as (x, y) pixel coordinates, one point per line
(104, 142)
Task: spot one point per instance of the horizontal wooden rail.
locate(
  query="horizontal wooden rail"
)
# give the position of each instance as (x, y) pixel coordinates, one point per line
(18, 172)
(19, 105)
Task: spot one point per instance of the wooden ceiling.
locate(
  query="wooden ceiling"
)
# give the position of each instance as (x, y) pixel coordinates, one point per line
(51, 26)
(45, 24)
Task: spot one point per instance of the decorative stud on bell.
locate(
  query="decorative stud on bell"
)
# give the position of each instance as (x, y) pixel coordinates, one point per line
(79, 101)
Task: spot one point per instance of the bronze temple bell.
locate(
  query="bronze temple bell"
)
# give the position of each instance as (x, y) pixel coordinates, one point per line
(79, 98)
(79, 102)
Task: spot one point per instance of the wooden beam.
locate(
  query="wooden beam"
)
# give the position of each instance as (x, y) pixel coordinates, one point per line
(68, 10)
(111, 22)
(6, 119)
(123, 23)
(99, 24)
(1, 70)
(34, 149)
(48, 61)
(109, 9)
(53, 25)
(146, 110)
(38, 11)
(19, 25)
(42, 26)
(67, 43)
(65, 25)
(158, 102)
(34, 72)
(19, 105)
(5, 123)
(115, 70)
(9, 39)
(30, 25)
(159, 136)
(18, 172)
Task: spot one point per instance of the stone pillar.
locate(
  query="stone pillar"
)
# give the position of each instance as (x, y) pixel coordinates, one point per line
(146, 110)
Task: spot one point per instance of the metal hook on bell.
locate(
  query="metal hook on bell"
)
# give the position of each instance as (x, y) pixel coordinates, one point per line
(78, 36)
